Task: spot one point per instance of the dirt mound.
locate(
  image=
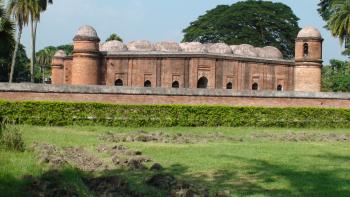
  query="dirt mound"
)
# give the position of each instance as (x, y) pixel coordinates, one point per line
(110, 186)
(303, 137)
(176, 188)
(160, 137)
(57, 157)
(81, 159)
(124, 157)
(50, 184)
(49, 154)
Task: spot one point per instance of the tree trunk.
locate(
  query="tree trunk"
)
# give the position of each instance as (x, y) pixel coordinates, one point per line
(13, 63)
(43, 70)
(32, 62)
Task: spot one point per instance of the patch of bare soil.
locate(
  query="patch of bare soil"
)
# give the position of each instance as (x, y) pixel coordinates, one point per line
(50, 184)
(303, 137)
(110, 186)
(124, 157)
(49, 154)
(160, 137)
(57, 157)
(81, 159)
(176, 188)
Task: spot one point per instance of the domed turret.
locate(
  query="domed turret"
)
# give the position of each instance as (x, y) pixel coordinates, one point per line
(86, 61)
(57, 68)
(308, 60)
(309, 32)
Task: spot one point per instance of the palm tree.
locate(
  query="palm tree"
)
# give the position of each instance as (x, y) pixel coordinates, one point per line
(20, 11)
(114, 36)
(37, 6)
(44, 59)
(339, 21)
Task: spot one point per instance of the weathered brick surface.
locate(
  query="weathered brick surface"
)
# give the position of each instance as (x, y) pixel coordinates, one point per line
(103, 94)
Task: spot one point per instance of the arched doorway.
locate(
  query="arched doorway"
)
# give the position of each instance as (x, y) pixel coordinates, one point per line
(202, 83)
(255, 86)
(118, 82)
(148, 84)
(175, 84)
(279, 88)
(229, 86)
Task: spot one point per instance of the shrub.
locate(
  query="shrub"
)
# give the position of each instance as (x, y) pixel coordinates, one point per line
(11, 137)
(64, 114)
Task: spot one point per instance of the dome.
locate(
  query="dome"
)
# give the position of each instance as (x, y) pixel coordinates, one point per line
(309, 32)
(140, 45)
(193, 47)
(168, 46)
(270, 52)
(246, 50)
(220, 48)
(60, 54)
(87, 31)
(234, 47)
(113, 46)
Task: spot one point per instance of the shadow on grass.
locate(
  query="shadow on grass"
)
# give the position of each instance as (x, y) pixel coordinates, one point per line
(258, 177)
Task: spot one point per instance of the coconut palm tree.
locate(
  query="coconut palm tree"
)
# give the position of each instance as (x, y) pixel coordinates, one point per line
(37, 6)
(20, 11)
(44, 59)
(339, 22)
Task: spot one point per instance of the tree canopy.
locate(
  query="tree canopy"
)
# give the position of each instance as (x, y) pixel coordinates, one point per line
(259, 23)
(336, 76)
(114, 36)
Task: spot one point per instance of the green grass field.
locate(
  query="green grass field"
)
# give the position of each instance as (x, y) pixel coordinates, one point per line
(248, 167)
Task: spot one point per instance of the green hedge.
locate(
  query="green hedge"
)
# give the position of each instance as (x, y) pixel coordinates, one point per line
(62, 114)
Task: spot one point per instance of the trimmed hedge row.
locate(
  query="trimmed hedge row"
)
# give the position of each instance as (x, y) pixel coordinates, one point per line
(63, 114)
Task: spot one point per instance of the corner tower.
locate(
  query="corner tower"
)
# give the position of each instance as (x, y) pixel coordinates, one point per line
(308, 60)
(86, 57)
(57, 68)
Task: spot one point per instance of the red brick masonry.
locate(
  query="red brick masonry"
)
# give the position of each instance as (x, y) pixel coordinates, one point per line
(103, 94)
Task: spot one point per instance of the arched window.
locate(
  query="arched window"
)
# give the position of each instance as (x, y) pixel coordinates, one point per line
(118, 82)
(279, 88)
(255, 86)
(306, 49)
(202, 83)
(175, 84)
(229, 86)
(148, 84)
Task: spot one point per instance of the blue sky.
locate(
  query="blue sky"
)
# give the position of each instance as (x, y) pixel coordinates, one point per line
(153, 20)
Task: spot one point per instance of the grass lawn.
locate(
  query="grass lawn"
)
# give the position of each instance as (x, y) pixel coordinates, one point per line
(248, 167)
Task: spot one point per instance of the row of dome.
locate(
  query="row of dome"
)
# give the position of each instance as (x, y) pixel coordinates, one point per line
(192, 47)
(245, 50)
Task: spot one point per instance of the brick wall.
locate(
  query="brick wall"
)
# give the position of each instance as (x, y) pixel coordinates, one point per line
(115, 95)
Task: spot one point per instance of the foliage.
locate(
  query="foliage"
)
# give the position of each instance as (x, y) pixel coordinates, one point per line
(44, 59)
(60, 113)
(22, 70)
(259, 23)
(336, 76)
(114, 36)
(11, 137)
(337, 14)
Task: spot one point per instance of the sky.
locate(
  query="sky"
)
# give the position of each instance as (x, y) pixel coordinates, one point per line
(154, 20)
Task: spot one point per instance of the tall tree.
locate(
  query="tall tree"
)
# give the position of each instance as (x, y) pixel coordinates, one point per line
(114, 36)
(259, 23)
(44, 59)
(37, 6)
(20, 11)
(339, 21)
(328, 9)
(6, 35)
